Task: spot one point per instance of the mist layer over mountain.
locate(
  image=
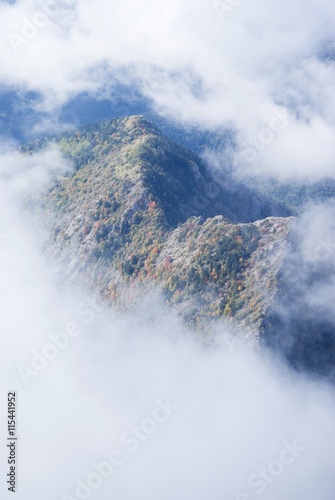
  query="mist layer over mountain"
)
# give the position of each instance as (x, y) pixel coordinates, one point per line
(137, 399)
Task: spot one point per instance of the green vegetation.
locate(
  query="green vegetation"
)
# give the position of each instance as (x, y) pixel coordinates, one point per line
(138, 210)
(294, 194)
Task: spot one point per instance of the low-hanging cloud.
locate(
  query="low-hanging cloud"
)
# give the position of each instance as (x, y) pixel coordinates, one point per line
(137, 399)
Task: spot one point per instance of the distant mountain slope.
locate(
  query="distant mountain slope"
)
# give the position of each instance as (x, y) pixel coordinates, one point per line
(294, 194)
(300, 323)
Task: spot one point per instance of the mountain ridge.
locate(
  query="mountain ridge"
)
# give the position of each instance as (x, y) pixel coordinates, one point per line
(182, 171)
(140, 212)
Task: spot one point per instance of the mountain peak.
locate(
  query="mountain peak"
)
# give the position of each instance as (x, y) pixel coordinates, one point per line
(134, 152)
(140, 209)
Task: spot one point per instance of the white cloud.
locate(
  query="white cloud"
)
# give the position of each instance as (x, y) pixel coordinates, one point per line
(236, 408)
(211, 71)
(23, 175)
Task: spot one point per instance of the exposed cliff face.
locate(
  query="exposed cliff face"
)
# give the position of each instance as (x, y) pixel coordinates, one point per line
(140, 211)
